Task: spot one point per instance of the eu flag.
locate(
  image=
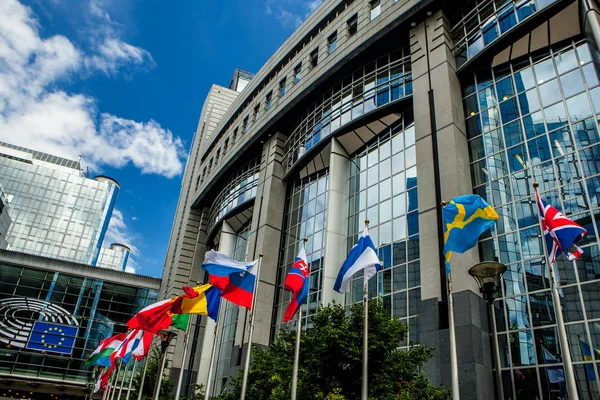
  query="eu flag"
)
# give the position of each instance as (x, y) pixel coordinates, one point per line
(52, 337)
(465, 219)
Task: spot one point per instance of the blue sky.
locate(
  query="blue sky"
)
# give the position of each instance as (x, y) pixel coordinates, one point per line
(122, 83)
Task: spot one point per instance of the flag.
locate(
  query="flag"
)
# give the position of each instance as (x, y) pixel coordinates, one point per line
(586, 352)
(130, 345)
(361, 257)
(143, 347)
(560, 233)
(104, 378)
(236, 280)
(161, 315)
(203, 300)
(465, 219)
(297, 283)
(555, 374)
(101, 356)
(52, 337)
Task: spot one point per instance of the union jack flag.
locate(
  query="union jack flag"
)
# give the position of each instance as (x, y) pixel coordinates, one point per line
(297, 283)
(560, 233)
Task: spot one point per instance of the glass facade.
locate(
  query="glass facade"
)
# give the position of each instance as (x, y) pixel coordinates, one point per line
(240, 188)
(378, 83)
(305, 216)
(481, 22)
(537, 119)
(100, 308)
(114, 257)
(56, 211)
(228, 322)
(383, 188)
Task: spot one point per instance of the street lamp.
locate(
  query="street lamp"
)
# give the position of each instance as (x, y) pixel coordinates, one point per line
(166, 336)
(488, 274)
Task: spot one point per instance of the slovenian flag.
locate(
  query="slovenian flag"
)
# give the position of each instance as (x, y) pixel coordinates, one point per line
(362, 257)
(101, 356)
(297, 283)
(236, 280)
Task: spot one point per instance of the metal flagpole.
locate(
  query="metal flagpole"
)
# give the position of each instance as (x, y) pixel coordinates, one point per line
(122, 381)
(365, 364)
(135, 363)
(499, 380)
(297, 350)
(452, 332)
(160, 371)
(114, 389)
(297, 354)
(560, 322)
(185, 346)
(143, 376)
(251, 331)
(452, 335)
(213, 353)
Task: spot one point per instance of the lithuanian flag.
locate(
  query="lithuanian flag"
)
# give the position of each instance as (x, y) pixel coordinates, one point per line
(202, 300)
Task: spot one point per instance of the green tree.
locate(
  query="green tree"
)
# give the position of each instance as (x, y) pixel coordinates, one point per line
(331, 361)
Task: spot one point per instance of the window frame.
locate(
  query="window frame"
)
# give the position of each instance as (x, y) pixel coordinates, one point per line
(352, 25)
(332, 42)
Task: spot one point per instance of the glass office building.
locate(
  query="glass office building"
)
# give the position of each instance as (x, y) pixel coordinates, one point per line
(96, 301)
(114, 257)
(382, 110)
(56, 210)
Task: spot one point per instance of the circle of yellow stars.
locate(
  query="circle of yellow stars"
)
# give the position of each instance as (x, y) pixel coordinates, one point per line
(54, 331)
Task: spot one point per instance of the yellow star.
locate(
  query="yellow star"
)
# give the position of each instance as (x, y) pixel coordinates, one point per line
(62, 334)
(43, 336)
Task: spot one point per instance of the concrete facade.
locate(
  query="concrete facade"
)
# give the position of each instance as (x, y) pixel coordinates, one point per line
(412, 109)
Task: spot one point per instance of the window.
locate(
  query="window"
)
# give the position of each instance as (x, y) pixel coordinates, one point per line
(314, 57)
(375, 9)
(332, 42)
(225, 146)
(298, 73)
(210, 164)
(352, 24)
(268, 99)
(282, 85)
(255, 115)
(217, 156)
(234, 135)
(245, 125)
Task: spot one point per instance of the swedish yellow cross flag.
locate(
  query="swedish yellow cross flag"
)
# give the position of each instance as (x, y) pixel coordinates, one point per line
(465, 219)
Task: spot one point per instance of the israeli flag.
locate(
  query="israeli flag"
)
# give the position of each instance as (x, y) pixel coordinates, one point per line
(362, 257)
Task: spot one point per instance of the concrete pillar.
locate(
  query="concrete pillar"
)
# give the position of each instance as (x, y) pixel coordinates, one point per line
(336, 231)
(434, 78)
(265, 237)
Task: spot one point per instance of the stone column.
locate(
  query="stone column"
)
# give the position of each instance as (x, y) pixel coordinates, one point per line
(265, 237)
(336, 231)
(439, 119)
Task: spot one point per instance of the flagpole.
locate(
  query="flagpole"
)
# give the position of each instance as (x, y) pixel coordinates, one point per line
(114, 389)
(122, 381)
(143, 375)
(297, 350)
(365, 363)
(213, 354)
(587, 381)
(560, 322)
(251, 330)
(452, 336)
(185, 346)
(135, 363)
(452, 333)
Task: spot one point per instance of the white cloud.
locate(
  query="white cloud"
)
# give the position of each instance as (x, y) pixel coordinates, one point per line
(291, 13)
(289, 19)
(134, 218)
(313, 4)
(36, 113)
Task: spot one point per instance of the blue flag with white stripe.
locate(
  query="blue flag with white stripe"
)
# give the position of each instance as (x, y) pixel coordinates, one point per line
(362, 257)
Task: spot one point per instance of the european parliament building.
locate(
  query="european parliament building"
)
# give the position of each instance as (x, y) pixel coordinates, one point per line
(382, 109)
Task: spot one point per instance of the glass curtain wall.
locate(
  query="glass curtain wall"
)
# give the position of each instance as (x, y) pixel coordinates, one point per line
(305, 216)
(229, 320)
(537, 119)
(383, 188)
(101, 309)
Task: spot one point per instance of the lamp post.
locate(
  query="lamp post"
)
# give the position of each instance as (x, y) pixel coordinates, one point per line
(166, 336)
(488, 274)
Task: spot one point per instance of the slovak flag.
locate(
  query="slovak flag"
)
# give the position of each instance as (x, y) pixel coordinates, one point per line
(362, 257)
(560, 233)
(297, 283)
(236, 280)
